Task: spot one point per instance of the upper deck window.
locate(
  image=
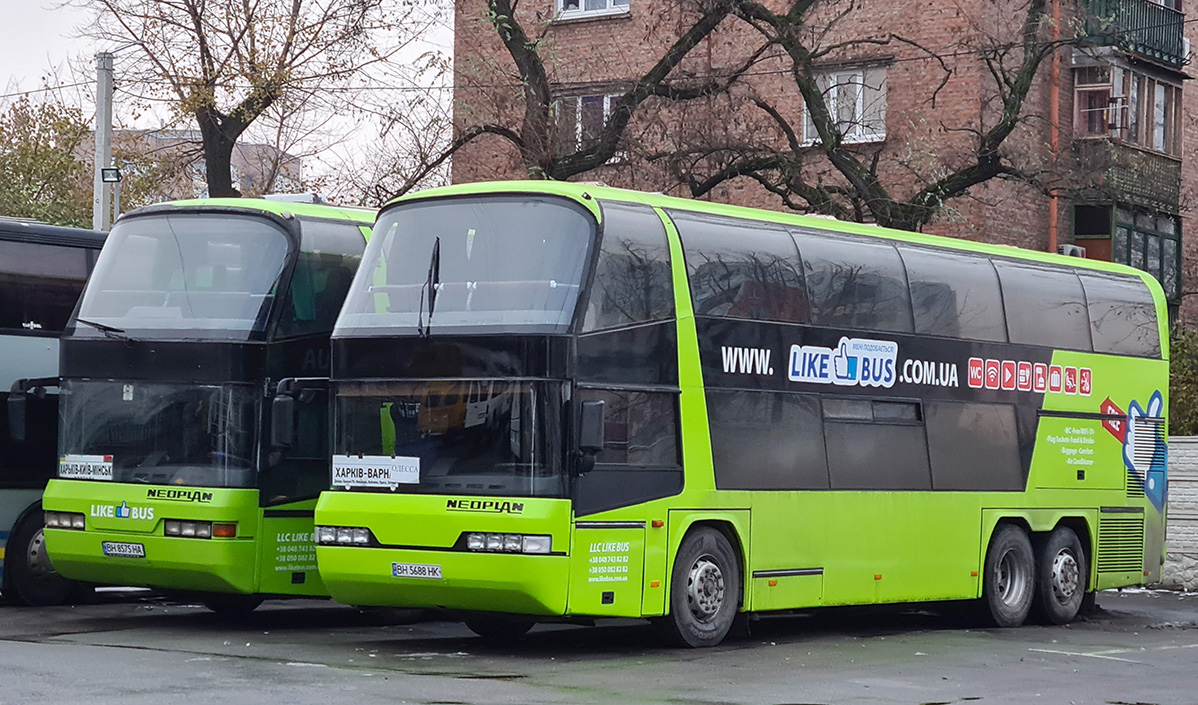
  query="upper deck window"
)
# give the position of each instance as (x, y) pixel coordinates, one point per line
(632, 277)
(742, 269)
(854, 283)
(954, 295)
(485, 264)
(187, 276)
(1045, 306)
(39, 285)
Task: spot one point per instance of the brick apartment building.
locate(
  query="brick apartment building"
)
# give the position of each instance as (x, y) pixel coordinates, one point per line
(1111, 124)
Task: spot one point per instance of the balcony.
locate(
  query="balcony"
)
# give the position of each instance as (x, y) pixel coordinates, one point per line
(1120, 172)
(1138, 26)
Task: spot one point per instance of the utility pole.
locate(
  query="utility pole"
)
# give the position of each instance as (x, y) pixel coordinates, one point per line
(101, 195)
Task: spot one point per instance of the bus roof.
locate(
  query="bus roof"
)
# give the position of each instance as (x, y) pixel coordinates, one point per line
(35, 231)
(587, 195)
(362, 216)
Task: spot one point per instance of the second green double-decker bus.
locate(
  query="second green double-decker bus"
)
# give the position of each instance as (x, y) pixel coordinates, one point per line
(167, 476)
(556, 400)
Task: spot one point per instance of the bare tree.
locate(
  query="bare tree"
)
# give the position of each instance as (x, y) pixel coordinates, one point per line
(515, 96)
(820, 167)
(226, 63)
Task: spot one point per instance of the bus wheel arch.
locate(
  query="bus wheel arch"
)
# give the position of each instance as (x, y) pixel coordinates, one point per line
(29, 577)
(1009, 574)
(706, 585)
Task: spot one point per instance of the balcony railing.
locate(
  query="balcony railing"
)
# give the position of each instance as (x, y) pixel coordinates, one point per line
(1120, 172)
(1139, 26)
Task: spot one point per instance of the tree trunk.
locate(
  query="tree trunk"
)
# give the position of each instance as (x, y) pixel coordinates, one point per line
(218, 154)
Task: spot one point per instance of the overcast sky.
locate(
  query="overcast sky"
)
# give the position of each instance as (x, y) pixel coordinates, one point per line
(33, 38)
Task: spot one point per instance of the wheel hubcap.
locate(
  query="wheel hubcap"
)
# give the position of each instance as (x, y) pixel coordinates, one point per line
(1011, 579)
(705, 589)
(1066, 576)
(37, 559)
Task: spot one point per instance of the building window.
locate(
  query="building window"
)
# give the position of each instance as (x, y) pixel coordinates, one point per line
(856, 99)
(1132, 107)
(580, 121)
(567, 9)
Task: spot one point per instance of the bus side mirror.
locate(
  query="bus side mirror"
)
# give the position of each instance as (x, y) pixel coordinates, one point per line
(282, 421)
(16, 412)
(590, 428)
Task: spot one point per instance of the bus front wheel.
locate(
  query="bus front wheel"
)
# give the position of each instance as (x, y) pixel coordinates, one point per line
(1009, 579)
(1061, 573)
(231, 605)
(498, 630)
(704, 590)
(32, 580)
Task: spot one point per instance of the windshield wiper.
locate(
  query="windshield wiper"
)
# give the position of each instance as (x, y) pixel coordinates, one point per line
(108, 331)
(430, 285)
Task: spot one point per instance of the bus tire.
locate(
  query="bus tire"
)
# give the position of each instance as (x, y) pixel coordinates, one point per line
(704, 590)
(1009, 582)
(1061, 572)
(32, 580)
(498, 630)
(231, 605)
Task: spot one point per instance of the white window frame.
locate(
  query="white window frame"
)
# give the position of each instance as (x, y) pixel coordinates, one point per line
(857, 131)
(610, 8)
(609, 102)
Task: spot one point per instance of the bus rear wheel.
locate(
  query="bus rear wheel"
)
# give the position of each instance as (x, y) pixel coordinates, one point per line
(1009, 583)
(1061, 573)
(704, 590)
(32, 580)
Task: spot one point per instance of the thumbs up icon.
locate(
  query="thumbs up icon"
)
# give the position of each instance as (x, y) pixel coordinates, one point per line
(844, 365)
(122, 512)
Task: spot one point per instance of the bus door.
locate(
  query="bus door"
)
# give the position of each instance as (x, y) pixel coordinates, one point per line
(292, 479)
(614, 559)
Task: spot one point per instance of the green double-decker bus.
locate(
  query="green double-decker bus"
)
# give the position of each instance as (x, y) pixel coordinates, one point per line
(168, 476)
(556, 401)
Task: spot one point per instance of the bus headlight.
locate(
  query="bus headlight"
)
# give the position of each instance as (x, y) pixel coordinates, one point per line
(344, 536)
(187, 529)
(508, 543)
(64, 520)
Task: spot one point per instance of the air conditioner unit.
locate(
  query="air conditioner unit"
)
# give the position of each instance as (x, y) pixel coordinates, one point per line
(1071, 250)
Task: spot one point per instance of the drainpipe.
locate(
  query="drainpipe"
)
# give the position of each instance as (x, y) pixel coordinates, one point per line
(1054, 122)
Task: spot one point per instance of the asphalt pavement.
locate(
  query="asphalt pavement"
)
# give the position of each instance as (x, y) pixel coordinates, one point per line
(134, 648)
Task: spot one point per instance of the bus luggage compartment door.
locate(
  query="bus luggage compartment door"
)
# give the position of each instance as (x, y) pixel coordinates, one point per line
(607, 567)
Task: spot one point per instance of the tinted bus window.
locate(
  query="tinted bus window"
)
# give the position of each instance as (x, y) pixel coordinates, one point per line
(640, 428)
(632, 277)
(1122, 315)
(740, 269)
(854, 283)
(176, 275)
(767, 441)
(954, 295)
(497, 263)
(973, 446)
(328, 260)
(39, 285)
(1044, 306)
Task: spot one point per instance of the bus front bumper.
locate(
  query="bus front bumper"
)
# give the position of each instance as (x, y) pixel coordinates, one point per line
(207, 565)
(485, 582)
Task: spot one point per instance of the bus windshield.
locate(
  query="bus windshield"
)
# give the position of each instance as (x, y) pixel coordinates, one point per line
(209, 276)
(164, 434)
(468, 263)
(478, 437)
